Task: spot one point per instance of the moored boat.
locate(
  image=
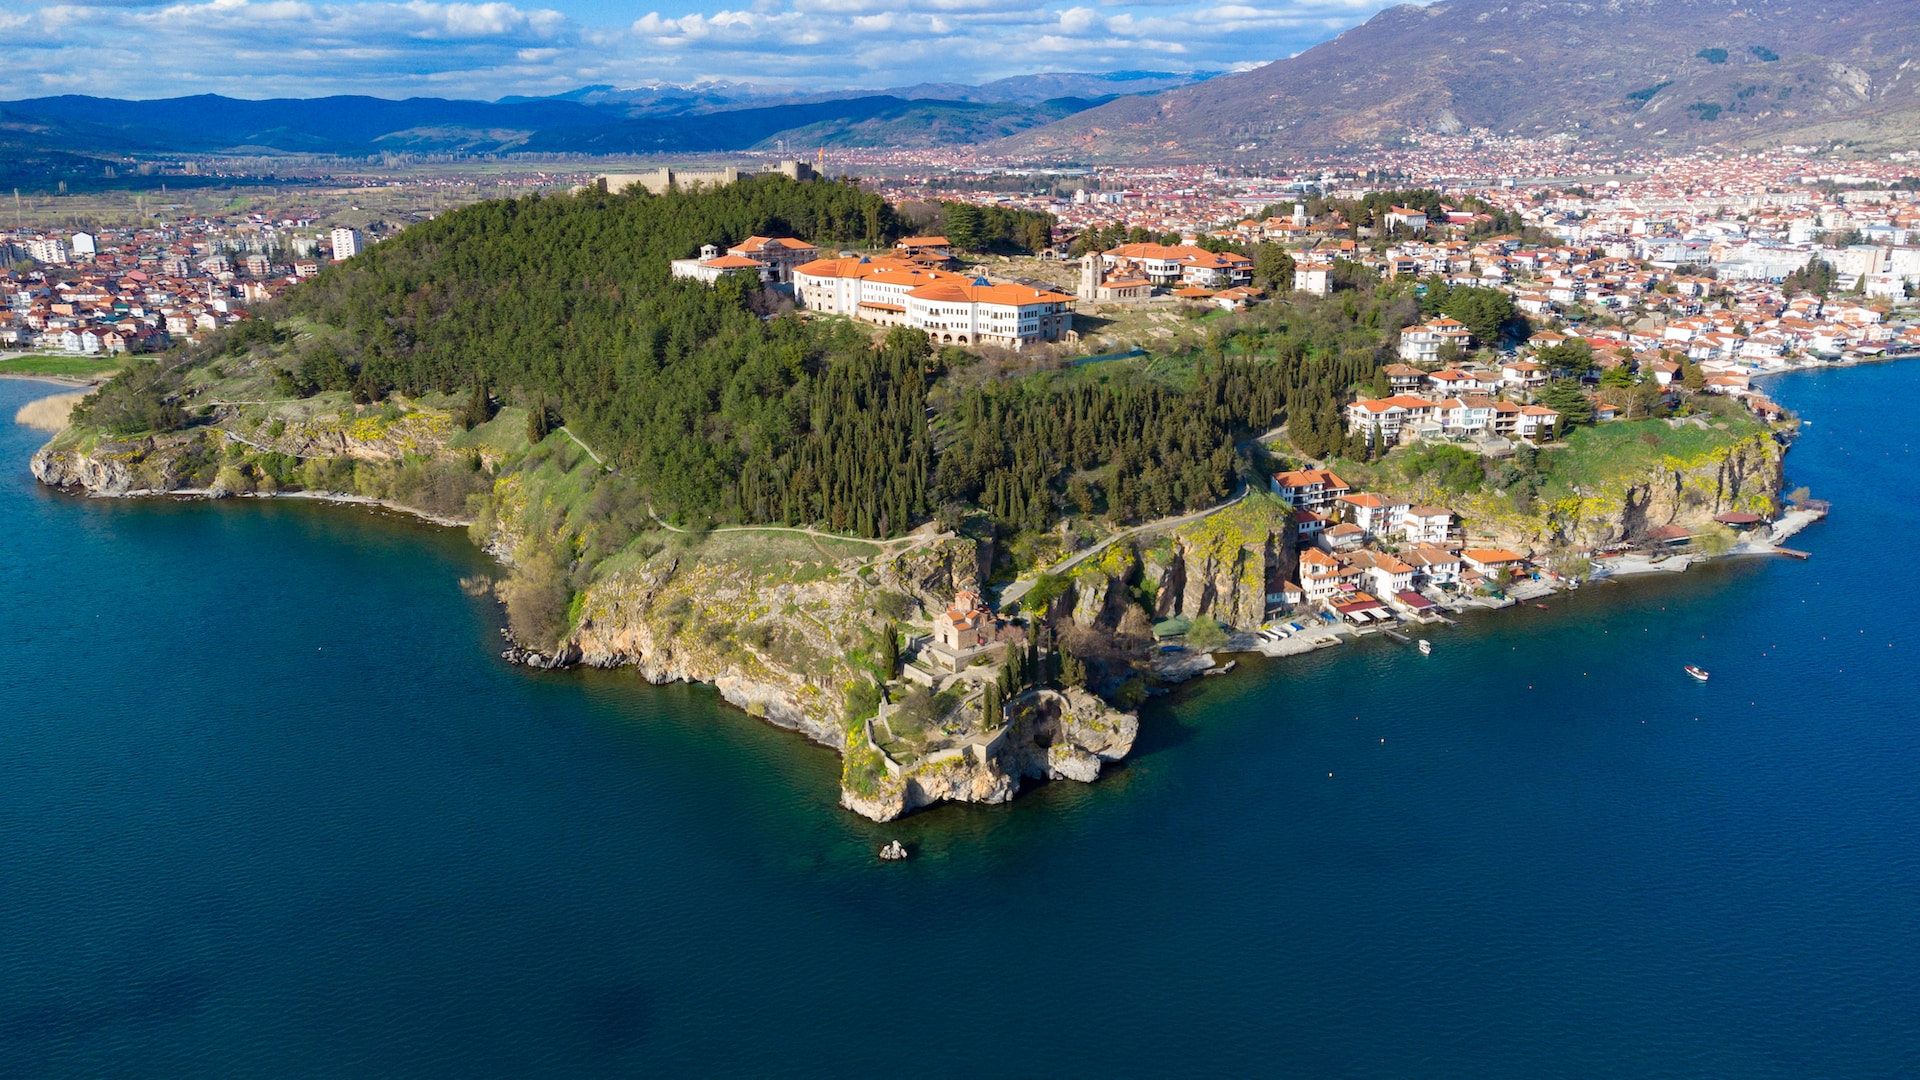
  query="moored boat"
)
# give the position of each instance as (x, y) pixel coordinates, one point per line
(1698, 673)
(1426, 647)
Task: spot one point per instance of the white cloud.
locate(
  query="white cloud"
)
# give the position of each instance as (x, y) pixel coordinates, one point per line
(254, 48)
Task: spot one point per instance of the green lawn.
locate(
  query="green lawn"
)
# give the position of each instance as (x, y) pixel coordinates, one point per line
(73, 367)
(1593, 455)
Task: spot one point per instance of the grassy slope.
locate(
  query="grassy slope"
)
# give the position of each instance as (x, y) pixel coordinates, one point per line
(1605, 455)
(72, 367)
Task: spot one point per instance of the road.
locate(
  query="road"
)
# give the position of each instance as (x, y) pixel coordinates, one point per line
(1012, 593)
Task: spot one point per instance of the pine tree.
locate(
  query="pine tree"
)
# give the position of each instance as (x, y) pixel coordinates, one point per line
(1073, 670)
(537, 420)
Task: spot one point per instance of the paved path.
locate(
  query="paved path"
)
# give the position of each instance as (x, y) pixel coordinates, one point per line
(1012, 593)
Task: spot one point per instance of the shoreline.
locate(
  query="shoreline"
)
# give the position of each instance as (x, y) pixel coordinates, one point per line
(71, 382)
(1321, 635)
(340, 497)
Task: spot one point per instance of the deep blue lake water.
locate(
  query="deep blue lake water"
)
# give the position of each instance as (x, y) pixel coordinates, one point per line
(270, 806)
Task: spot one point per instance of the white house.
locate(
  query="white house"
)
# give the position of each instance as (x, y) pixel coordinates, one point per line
(1422, 344)
(1378, 514)
(1309, 489)
(711, 266)
(1427, 524)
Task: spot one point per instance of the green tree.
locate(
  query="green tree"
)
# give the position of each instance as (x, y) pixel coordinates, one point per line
(1206, 634)
(890, 650)
(962, 225)
(1692, 377)
(479, 408)
(1485, 312)
(992, 707)
(1073, 670)
(537, 426)
(1566, 397)
(1574, 356)
(1273, 268)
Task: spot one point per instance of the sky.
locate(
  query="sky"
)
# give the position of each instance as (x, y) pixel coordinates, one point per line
(309, 48)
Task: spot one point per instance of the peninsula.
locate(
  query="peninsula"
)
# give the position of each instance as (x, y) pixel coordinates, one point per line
(759, 436)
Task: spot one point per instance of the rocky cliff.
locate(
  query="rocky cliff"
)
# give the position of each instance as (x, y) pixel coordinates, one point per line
(1048, 735)
(1684, 491)
(1222, 566)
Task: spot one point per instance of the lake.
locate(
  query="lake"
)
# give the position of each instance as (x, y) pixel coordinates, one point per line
(270, 805)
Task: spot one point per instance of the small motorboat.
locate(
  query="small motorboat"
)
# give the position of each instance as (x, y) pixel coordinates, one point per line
(1426, 647)
(1699, 674)
(1542, 607)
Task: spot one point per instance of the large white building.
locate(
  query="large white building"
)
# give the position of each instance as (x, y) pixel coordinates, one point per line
(711, 266)
(1422, 344)
(1169, 264)
(51, 251)
(953, 309)
(780, 253)
(978, 312)
(346, 244)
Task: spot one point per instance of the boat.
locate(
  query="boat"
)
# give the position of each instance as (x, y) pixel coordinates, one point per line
(1697, 673)
(1426, 647)
(1542, 607)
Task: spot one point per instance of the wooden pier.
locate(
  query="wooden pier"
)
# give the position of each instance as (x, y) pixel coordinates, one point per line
(1790, 553)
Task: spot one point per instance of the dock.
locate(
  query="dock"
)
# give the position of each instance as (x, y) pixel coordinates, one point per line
(1399, 637)
(1790, 553)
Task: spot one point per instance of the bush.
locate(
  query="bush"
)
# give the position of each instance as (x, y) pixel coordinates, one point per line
(536, 596)
(439, 487)
(863, 701)
(1206, 634)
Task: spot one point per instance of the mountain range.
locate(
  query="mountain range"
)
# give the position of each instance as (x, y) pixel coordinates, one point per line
(1665, 73)
(595, 119)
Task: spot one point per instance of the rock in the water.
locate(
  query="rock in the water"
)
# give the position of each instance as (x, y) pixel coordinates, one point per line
(894, 851)
(1068, 762)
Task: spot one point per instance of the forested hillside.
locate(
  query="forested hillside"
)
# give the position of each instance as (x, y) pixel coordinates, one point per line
(719, 409)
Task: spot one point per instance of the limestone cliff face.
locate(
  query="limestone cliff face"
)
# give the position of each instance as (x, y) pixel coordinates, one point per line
(778, 649)
(773, 644)
(1225, 565)
(1744, 475)
(111, 468)
(1100, 586)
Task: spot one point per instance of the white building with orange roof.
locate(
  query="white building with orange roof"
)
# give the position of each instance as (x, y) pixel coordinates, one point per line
(870, 289)
(951, 308)
(1422, 344)
(1385, 418)
(1427, 524)
(780, 253)
(1166, 264)
(1309, 489)
(711, 266)
(978, 312)
(1377, 514)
